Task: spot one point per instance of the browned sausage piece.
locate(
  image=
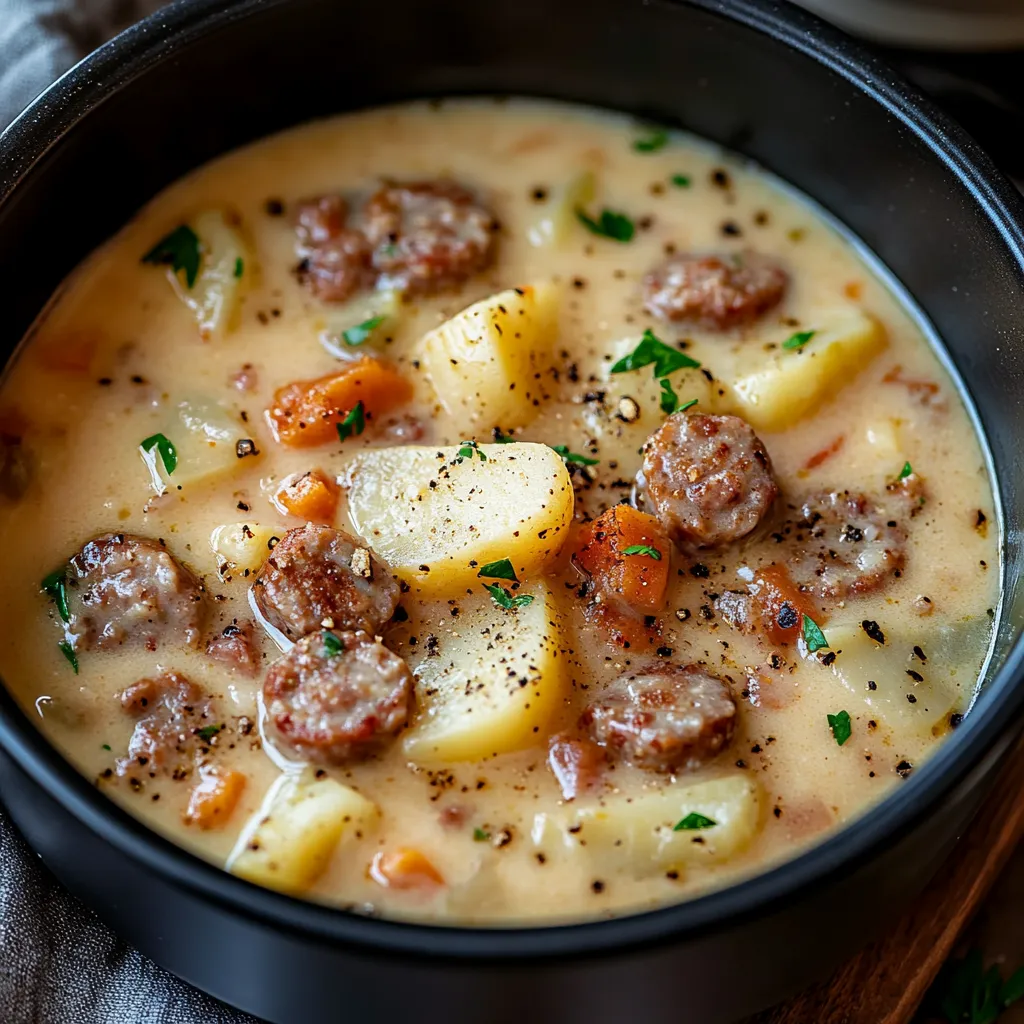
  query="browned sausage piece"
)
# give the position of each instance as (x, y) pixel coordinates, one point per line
(335, 697)
(843, 543)
(317, 576)
(707, 478)
(173, 716)
(335, 259)
(233, 646)
(715, 291)
(428, 236)
(668, 718)
(124, 589)
(576, 764)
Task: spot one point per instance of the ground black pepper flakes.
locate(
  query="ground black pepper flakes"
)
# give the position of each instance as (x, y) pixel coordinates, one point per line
(904, 768)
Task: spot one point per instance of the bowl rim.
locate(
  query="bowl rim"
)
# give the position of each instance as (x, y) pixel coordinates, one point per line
(28, 139)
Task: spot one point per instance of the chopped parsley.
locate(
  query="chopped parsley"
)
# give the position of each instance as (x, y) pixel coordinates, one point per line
(180, 249)
(55, 586)
(965, 993)
(503, 599)
(669, 400)
(165, 449)
(208, 732)
(468, 449)
(239, 266)
(581, 460)
(500, 570)
(643, 549)
(813, 636)
(840, 726)
(69, 652)
(681, 180)
(694, 822)
(106, 746)
(906, 471)
(358, 334)
(480, 835)
(332, 645)
(658, 139)
(502, 438)
(609, 224)
(799, 339)
(651, 349)
(687, 405)
(354, 422)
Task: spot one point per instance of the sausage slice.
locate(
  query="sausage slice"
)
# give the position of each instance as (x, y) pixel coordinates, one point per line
(336, 697)
(124, 589)
(707, 478)
(668, 718)
(716, 291)
(335, 259)
(317, 575)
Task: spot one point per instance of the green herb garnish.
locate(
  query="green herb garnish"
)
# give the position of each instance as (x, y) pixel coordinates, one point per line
(569, 456)
(813, 636)
(694, 822)
(906, 471)
(500, 438)
(503, 599)
(358, 334)
(965, 993)
(165, 449)
(799, 339)
(669, 400)
(500, 570)
(658, 139)
(480, 836)
(208, 732)
(332, 645)
(687, 405)
(609, 224)
(681, 180)
(106, 746)
(651, 349)
(840, 726)
(55, 586)
(354, 422)
(643, 549)
(181, 250)
(468, 449)
(239, 266)
(69, 652)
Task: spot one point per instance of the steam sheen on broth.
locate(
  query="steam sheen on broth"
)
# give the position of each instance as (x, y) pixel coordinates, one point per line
(490, 512)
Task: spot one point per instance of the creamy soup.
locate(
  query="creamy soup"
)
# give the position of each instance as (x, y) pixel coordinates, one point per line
(492, 512)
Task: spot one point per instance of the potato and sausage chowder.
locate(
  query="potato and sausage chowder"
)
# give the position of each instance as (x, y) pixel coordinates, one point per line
(490, 511)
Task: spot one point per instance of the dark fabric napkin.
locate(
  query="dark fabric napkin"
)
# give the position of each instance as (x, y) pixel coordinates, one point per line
(58, 963)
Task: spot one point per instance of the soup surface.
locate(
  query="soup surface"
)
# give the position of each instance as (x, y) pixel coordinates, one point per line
(490, 512)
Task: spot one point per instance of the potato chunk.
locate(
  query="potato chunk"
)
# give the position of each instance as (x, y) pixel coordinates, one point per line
(484, 361)
(793, 383)
(638, 832)
(243, 545)
(494, 681)
(435, 516)
(291, 839)
(558, 219)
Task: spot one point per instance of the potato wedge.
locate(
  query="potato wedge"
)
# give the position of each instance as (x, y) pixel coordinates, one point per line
(483, 362)
(494, 682)
(243, 545)
(793, 383)
(558, 218)
(435, 516)
(291, 839)
(637, 832)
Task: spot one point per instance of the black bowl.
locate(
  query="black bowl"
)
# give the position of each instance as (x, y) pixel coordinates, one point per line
(763, 78)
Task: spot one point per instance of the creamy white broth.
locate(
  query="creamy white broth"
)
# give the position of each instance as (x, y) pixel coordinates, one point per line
(118, 349)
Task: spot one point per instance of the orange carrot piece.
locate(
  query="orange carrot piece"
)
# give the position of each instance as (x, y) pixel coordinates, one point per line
(404, 868)
(312, 496)
(821, 457)
(214, 797)
(638, 580)
(781, 604)
(307, 412)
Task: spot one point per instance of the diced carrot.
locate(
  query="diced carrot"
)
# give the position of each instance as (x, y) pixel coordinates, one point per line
(214, 797)
(638, 580)
(307, 412)
(818, 458)
(575, 763)
(782, 606)
(312, 496)
(404, 868)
